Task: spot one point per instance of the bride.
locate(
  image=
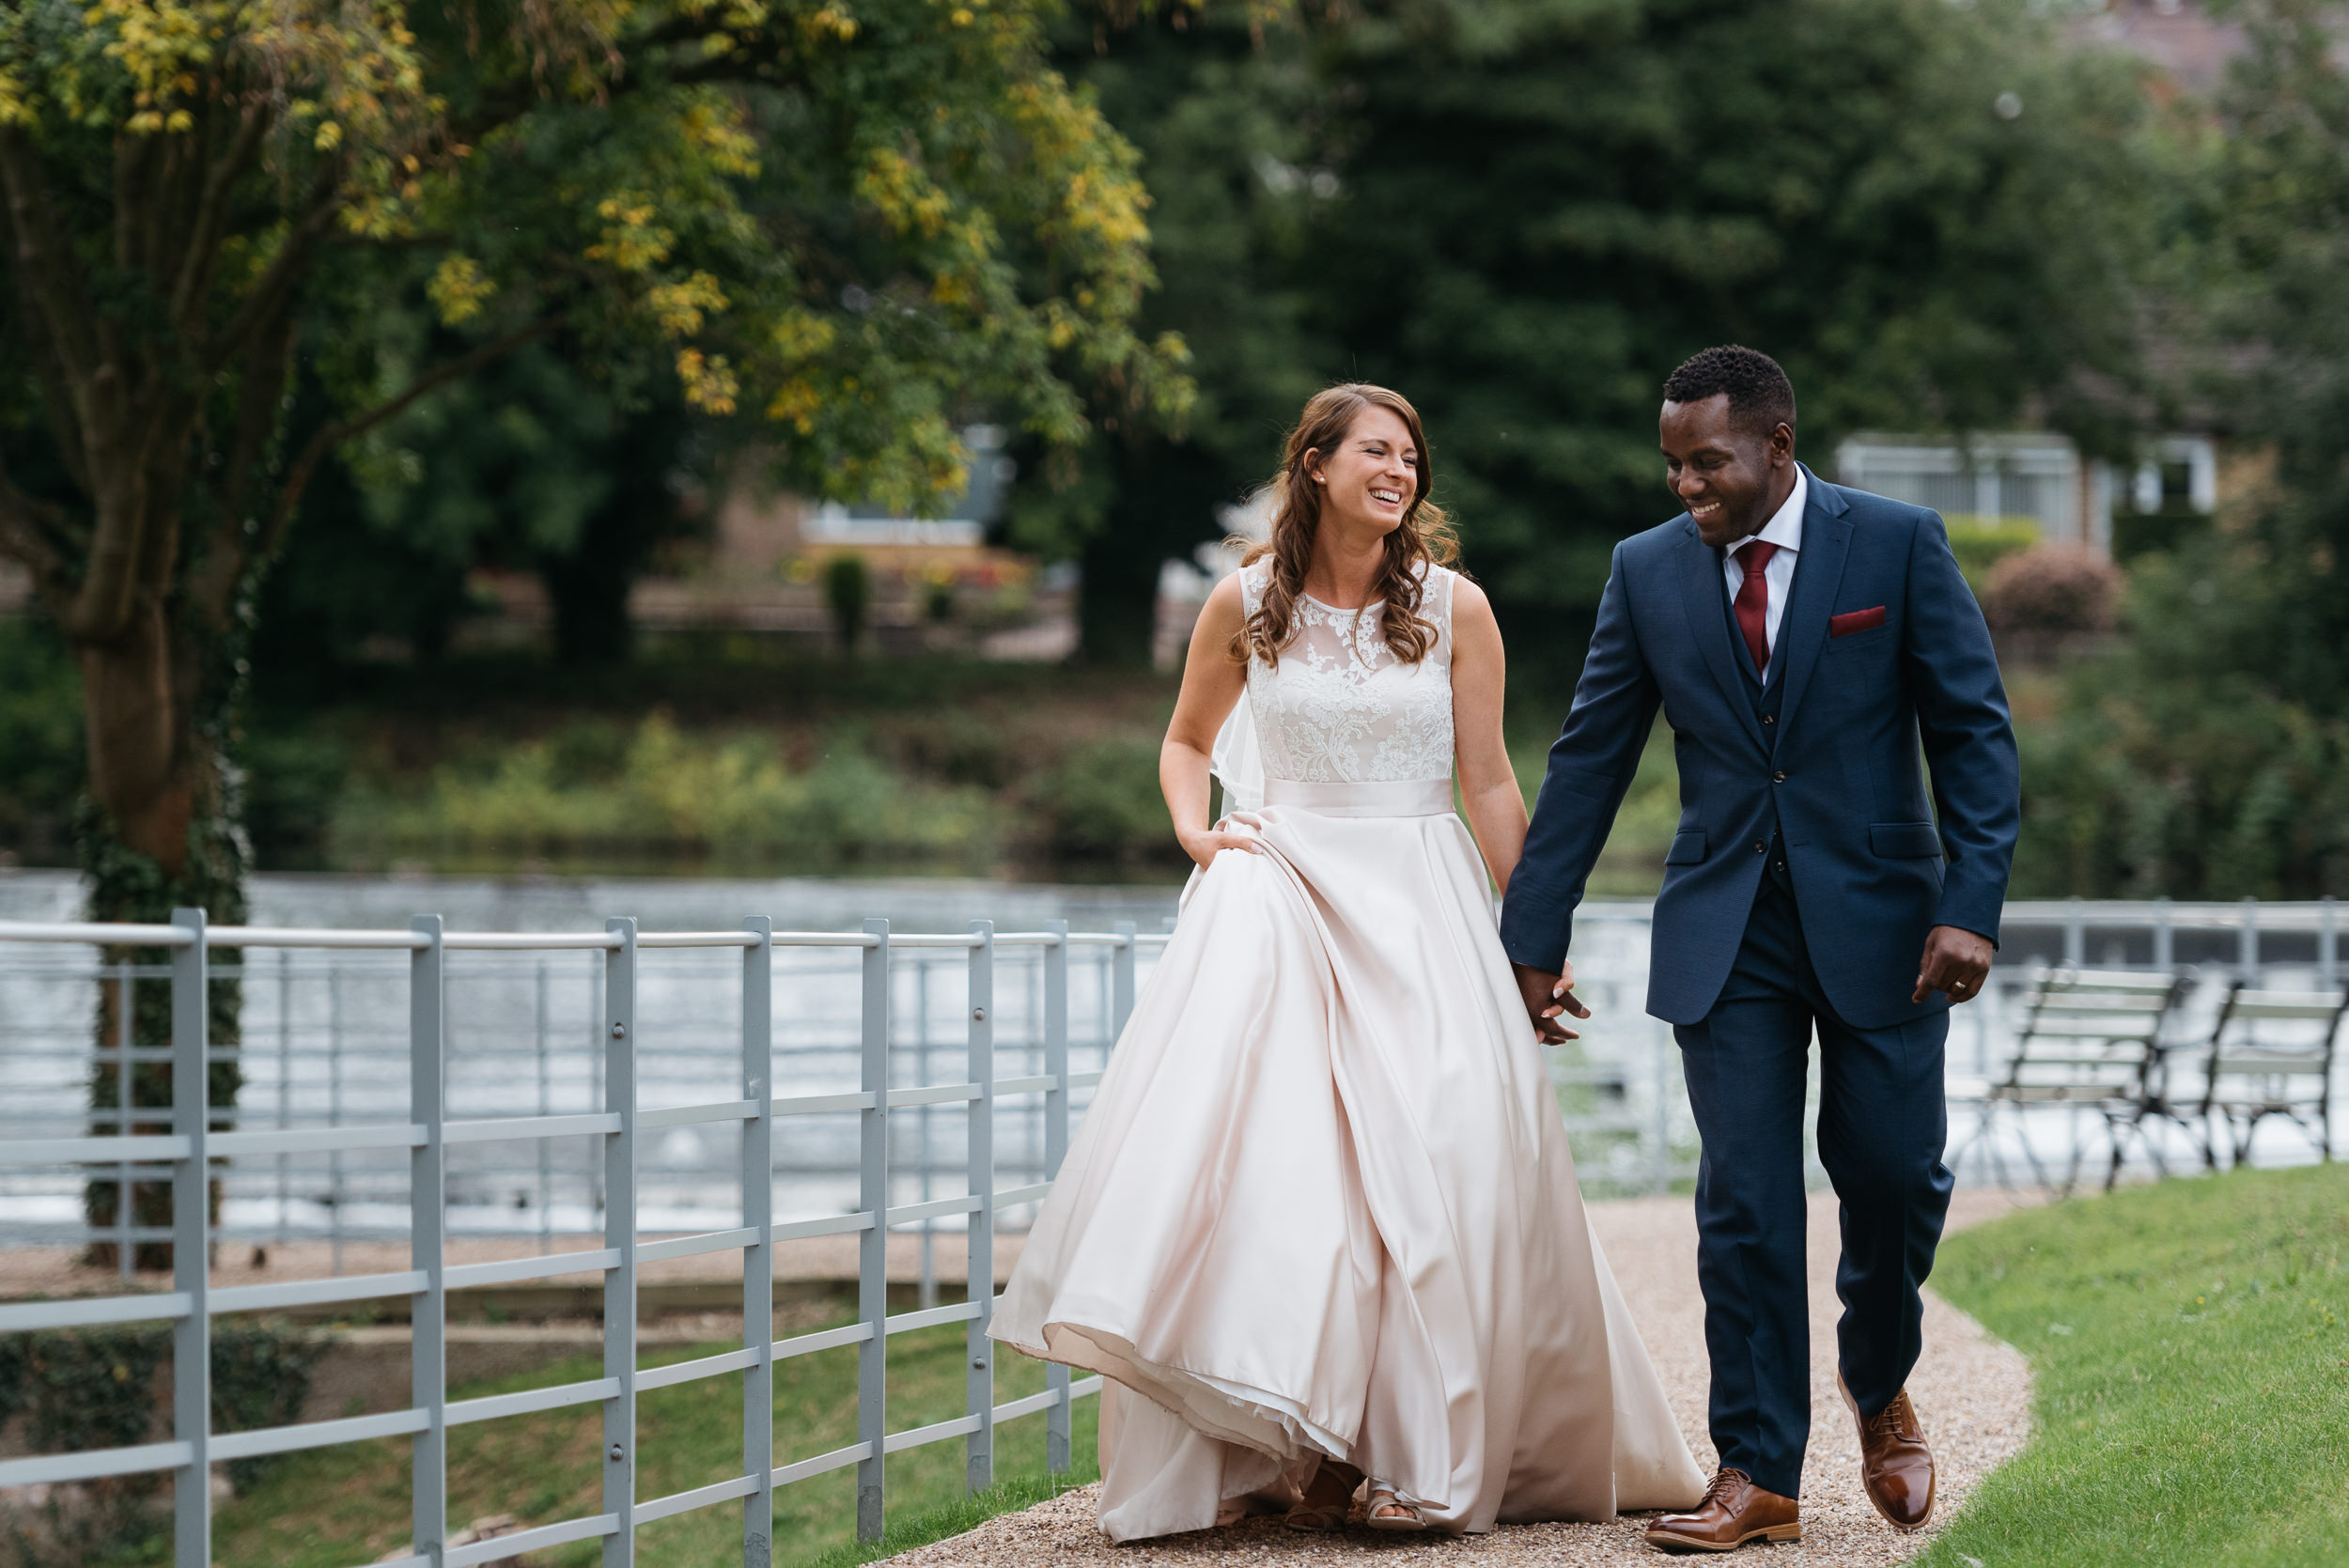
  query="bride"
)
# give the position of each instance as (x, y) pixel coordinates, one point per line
(1320, 1225)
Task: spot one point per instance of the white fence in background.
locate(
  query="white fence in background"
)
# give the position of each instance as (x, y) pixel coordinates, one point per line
(860, 1071)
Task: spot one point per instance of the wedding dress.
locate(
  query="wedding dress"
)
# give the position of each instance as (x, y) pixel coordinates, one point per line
(1322, 1203)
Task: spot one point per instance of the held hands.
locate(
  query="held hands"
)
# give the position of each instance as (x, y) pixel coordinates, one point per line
(1955, 961)
(1546, 996)
(1200, 844)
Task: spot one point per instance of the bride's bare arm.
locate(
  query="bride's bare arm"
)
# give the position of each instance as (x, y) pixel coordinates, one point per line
(1211, 687)
(1489, 786)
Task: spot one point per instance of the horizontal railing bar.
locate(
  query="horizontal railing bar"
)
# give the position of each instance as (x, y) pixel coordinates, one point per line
(825, 939)
(402, 1563)
(687, 1371)
(88, 1311)
(499, 1129)
(955, 1312)
(1029, 939)
(828, 1339)
(1084, 1081)
(837, 1224)
(838, 1459)
(318, 1140)
(95, 1464)
(933, 1093)
(1082, 1387)
(701, 1496)
(1012, 1197)
(1035, 1085)
(937, 1432)
(689, 1115)
(507, 1271)
(88, 931)
(694, 1246)
(930, 939)
(810, 1105)
(1027, 1407)
(522, 1541)
(530, 941)
(531, 1401)
(313, 1293)
(286, 936)
(104, 1150)
(696, 939)
(931, 1210)
(315, 1434)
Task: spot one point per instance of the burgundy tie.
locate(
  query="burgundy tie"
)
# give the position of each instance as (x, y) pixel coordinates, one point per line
(1753, 602)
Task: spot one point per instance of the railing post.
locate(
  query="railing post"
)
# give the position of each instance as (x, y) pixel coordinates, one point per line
(2247, 952)
(124, 1000)
(2074, 933)
(1057, 1416)
(619, 1234)
(1122, 980)
(191, 1237)
(428, 1193)
(2165, 940)
(979, 1289)
(872, 1287)
(758, 1274)
(2327, 943)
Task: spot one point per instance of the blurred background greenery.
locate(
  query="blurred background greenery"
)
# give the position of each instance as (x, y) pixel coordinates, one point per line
(1946, 217)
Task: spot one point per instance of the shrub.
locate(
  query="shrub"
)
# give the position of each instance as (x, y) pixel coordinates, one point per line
(1103, 801)
(848, 594)
(2054, 588)
(1980, 543)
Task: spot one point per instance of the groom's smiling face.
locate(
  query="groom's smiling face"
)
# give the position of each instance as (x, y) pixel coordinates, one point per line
(1729, 471)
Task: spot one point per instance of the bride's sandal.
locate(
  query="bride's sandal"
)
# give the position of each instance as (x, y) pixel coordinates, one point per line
(1391, 1512)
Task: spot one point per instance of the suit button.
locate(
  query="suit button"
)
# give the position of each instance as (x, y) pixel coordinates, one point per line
(1777, 778)
(1769, 718)
(1761, 849)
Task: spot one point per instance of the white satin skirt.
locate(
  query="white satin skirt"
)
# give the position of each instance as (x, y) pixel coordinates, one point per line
(1323, 1205)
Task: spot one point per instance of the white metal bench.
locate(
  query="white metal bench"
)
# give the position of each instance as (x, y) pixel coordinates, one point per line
(2271, 1054)
(2089, 1042)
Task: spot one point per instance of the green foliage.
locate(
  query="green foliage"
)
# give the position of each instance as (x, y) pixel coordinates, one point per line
(2052, 587)
(1103, 801)
(333, 1507)
(592, 789)
(260, 1377)
(93, 1388)
(1980, 543)
(1523, 214)
(40, 738)
(2186, 1342)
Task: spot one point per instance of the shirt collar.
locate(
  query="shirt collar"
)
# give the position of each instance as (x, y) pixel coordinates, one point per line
(1785, 528)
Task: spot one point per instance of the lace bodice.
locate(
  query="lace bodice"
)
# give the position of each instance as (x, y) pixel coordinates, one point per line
(1340, 708)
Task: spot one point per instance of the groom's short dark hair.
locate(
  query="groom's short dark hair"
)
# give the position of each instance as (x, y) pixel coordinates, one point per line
(1758, 390)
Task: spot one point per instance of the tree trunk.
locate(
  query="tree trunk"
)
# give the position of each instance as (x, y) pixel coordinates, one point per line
(158, 832)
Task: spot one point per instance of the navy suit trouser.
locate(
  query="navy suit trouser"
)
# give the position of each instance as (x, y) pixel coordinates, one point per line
(1882, 1123)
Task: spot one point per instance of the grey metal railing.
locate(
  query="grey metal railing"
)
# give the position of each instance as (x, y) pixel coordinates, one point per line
(186, 1158)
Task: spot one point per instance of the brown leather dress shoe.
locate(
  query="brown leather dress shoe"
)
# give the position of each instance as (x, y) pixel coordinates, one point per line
(1734, 1511)
(1895, 1465)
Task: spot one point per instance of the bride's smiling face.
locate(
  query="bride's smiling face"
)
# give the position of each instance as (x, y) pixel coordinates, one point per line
(1372, 477)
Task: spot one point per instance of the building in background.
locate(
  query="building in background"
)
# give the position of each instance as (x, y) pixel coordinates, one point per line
(2039, 478)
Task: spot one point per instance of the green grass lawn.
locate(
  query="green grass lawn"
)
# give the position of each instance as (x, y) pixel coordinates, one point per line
(338, 1507)
(2191, 1344)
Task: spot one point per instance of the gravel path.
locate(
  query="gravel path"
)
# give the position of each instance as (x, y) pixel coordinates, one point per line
(1972, 1392)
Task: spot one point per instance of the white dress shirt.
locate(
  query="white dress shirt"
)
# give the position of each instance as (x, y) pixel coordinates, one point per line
(1784, 530)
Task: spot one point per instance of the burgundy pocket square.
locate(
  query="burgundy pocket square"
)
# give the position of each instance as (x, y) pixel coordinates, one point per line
(1858, 620)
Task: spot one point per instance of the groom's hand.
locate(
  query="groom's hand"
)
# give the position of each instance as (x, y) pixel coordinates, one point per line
(1957, 961)
(1546, 995)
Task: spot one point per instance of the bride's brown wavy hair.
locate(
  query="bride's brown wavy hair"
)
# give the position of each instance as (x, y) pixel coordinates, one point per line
(1423, 538)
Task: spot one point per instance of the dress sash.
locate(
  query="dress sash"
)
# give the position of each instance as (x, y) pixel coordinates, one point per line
(1382, 798)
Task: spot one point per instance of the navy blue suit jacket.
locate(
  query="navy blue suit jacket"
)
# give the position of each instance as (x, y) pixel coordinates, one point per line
(1861, 717)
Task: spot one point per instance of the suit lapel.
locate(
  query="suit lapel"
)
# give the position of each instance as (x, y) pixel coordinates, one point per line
(1818, 574)
(1701, 589)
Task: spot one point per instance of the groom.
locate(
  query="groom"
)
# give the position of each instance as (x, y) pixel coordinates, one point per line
(1818, 659)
